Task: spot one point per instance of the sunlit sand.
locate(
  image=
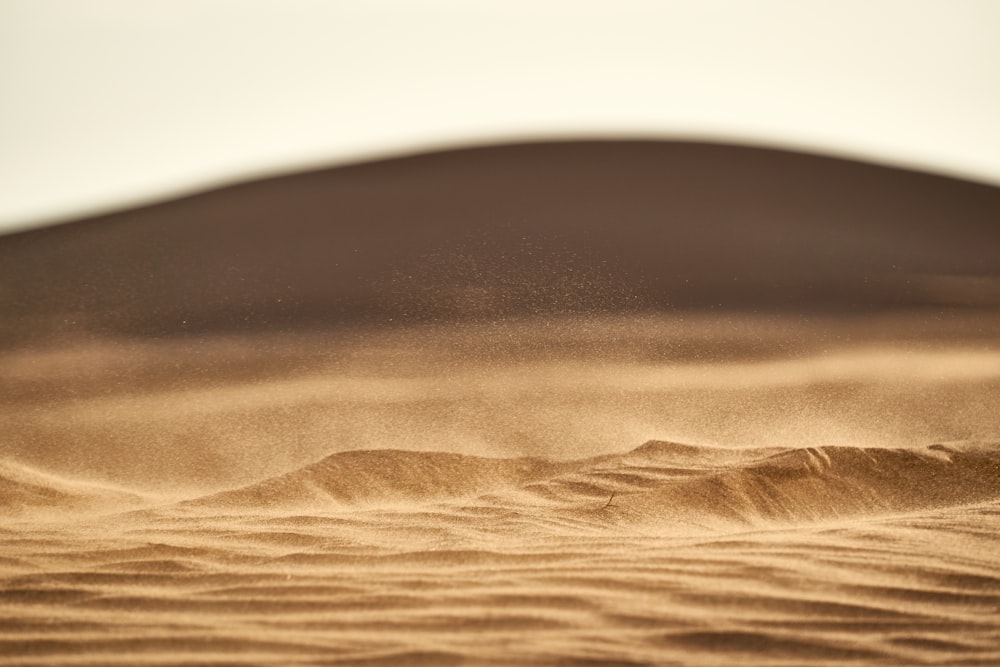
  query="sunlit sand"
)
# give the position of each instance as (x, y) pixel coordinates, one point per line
(631, 490)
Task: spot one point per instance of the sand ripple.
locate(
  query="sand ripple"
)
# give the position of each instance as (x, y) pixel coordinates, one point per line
(702, 555)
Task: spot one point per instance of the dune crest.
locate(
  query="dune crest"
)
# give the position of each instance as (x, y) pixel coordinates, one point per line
(24, 488)
(825, 483)
(658, 483)
(385, 477)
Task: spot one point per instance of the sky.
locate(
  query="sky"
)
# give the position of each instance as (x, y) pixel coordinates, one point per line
(106, 104)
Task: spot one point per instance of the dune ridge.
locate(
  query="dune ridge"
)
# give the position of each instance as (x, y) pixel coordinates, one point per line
(657, 483)
(386, 476)
(709, 488)
(24, 489)
(824, 483)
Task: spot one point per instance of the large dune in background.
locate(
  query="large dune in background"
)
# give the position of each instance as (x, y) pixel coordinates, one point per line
(513, 230)
(393, 413)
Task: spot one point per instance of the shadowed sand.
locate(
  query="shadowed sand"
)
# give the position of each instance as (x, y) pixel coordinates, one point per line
(600, 226)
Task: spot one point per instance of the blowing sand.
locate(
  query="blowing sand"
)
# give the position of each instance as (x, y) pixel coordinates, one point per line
(641, 492)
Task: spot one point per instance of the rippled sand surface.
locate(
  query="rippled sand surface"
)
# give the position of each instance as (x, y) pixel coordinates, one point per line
(667, 554)
(512, 514)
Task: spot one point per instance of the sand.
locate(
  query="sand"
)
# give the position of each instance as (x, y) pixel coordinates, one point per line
(667, 554)
(620, 490)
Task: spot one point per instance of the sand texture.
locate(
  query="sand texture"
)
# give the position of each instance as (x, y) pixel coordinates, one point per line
(806, 516)
(666, 554)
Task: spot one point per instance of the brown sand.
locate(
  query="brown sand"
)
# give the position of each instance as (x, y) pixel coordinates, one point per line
(466, 494)
(512, 231)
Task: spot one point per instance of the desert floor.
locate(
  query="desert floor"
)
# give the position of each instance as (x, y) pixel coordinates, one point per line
(697, 490)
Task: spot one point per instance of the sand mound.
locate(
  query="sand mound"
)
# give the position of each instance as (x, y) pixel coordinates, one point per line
(658, 483)
(23, 489)
(385, 477)
(715, 487)
(415, 237)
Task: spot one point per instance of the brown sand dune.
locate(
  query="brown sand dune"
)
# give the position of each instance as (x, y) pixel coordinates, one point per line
(606, 226)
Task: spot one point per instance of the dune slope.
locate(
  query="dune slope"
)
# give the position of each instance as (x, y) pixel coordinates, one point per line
(603, 226)
(23, 489)
(659, 482)
(385, 476)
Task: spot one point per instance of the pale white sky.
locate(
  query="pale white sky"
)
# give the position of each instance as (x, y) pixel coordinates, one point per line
(107, 103)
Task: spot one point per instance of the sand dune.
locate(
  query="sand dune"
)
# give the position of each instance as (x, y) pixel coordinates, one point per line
(605, 226)
(462, 495)
(26, 489)
(825, 483)
(829, 555)
(383, 477)
(657, 483)
(379, 415)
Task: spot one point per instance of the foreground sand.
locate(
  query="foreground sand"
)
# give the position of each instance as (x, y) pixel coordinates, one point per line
(666, 554)
(467, 495)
